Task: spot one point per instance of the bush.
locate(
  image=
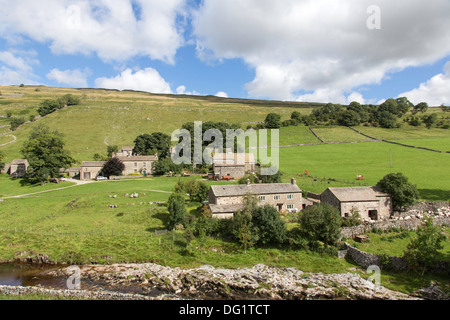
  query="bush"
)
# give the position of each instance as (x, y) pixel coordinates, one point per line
(273, 121)
(321, 222)
(269, 226)
(16, 123)
(177, 210)
(404, 194)
(114, 167)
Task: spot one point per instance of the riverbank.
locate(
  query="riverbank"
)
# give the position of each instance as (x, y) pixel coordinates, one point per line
(259, 282)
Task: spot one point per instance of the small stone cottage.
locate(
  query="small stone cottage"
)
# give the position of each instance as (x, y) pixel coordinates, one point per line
(18, 168)
(225, 200)
(370, 202)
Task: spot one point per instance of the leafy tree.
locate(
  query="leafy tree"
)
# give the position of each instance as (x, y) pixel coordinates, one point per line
(111, 149)
(45, 152)
(177, 210)
(404, 194)
(430, 120)
(114, 167)
(422, 252)
(241, 224)
(149, 144)
(269, 226)
(348, 118)
(48, 106)
(197, 190)
(276, 178)
(2, 156)
(164, 166)
(386, 119)
(321, 222)
(68, 100)
(273, 121)
(296, 116)
(16, 123)
(421, 107)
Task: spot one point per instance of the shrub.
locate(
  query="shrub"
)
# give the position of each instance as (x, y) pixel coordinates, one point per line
(177, 210)
(321, 222)
(404, 194)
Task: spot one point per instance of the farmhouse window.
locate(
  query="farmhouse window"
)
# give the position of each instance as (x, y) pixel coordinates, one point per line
(290, 196)
(276, 197)
(262, 198)
(290, 206)
(135, 164)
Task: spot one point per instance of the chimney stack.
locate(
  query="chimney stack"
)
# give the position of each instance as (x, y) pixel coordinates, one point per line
(293, 181)
(248, 182)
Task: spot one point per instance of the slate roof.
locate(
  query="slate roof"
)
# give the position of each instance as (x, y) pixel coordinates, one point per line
(223, 209)
(358, 194)
(256, 189)
(137, 158)
(93, 164)
(222, 159)
(19, 161)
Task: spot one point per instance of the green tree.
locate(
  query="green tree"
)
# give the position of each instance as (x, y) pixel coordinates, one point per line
(242, 225)
(16, 123)
(149, 144)
(113, 167)
(177, 210)
(403, 193)
(421, 107)
(387, 119)
(348, 118)
(321, 222)
(273, 121)
(2, 156)
(296, 116)
(430, 120)
(45, 152)
(423, 251)
(269, 226)
(111, 149)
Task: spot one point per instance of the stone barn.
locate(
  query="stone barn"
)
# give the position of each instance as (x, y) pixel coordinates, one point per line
(370, 202)
(91, 169)
(18, 168)
(225, 200)
(235, 165)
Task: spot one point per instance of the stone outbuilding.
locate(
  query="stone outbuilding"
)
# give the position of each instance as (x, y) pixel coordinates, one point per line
(234, 165)
(370, 202)
(18, 168)
(225, 200)
(91, 169)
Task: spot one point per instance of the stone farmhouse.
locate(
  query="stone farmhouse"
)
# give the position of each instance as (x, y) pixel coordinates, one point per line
(370, 202)
(138, 164)
(225, 200)
(133, 164)
(234, 165)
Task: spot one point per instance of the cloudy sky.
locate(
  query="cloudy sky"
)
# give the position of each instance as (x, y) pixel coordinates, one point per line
(298, 50)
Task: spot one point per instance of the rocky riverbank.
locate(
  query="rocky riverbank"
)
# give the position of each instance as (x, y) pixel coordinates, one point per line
(260, 282)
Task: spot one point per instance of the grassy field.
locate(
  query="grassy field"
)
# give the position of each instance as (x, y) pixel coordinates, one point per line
(76, 224)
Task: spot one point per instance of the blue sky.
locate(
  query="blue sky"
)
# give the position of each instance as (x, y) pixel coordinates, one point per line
(298, 50)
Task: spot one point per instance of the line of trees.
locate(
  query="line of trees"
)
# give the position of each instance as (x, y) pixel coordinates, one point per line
(51, 105)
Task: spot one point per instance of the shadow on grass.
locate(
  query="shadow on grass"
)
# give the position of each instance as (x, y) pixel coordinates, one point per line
(435, 194)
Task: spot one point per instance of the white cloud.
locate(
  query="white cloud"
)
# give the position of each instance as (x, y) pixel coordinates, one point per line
(182, 90)
(17, 67)
(321, 47)
(435, 91)
(142, 80)
(221, 94)
(111, 29)
(74, 78)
